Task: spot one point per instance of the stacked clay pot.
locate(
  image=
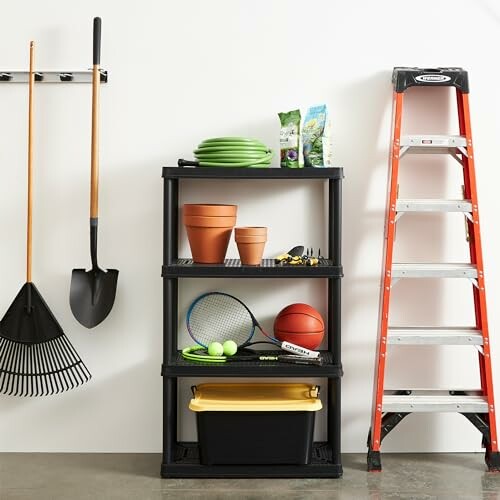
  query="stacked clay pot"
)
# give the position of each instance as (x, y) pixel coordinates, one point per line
(209, 229)
(251, 242)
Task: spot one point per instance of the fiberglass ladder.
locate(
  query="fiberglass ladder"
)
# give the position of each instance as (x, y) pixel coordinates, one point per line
(390, 407)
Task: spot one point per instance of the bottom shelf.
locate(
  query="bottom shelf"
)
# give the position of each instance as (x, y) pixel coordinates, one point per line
(187, 464)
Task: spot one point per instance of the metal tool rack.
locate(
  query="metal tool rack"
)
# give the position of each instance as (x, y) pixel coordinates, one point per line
(181, 459)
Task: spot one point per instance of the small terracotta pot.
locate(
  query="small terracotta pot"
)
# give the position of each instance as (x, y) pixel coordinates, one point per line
(250, 239)
(250, 231)
(210, 210)
(251, 242)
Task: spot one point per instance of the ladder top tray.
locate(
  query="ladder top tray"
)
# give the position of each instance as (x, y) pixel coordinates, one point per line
(404, 77)
(251, 173)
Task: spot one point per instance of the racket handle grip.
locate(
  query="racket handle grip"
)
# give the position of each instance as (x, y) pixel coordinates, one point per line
(297, 349)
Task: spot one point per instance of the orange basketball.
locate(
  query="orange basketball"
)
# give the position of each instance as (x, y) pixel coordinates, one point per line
(300, 324)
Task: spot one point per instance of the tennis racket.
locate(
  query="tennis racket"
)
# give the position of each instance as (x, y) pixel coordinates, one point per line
(198, 353)
(218, 316)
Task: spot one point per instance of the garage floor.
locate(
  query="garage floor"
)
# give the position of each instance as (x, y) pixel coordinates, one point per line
(135, 476)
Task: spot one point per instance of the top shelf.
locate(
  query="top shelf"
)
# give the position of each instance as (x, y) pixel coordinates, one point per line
(251, 173)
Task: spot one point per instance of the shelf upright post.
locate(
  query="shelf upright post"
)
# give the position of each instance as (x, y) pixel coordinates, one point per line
(334, 313)
(170, 311)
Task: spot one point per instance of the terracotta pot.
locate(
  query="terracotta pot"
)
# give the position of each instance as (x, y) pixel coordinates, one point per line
(251, 247)
(209, 236)
(200, 221)
(250, 231)
(209, 210)
(250, 239)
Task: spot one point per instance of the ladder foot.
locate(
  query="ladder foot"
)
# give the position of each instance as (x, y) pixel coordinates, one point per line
(373, 461)
(492, 460)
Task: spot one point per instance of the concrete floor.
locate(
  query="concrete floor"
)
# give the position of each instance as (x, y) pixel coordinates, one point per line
(135, 476)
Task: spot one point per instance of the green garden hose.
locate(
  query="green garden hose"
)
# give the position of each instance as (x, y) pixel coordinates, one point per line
(233, 152)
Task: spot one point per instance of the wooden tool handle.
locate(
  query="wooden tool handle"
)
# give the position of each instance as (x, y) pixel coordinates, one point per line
(30, 164)
(96, 81)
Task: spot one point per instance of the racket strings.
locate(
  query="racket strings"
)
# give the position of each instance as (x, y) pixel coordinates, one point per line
(216, 318)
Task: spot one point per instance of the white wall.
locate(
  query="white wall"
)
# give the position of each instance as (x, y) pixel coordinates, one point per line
(184, 71)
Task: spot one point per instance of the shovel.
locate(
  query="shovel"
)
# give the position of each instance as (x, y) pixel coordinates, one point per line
(92, 293)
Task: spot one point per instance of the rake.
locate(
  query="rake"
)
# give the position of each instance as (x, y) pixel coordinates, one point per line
(36, 358)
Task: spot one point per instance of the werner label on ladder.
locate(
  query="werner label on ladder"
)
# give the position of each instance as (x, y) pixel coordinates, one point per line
(390, 407)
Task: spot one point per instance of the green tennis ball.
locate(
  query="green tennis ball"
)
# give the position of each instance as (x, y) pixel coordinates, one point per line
(230, 347)
(215, 349)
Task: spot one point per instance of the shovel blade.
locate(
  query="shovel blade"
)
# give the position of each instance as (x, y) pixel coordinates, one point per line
(92, 295)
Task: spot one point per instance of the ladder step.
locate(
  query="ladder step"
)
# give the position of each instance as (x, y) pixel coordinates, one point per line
(434, 336)
(423, 205)
(434, 401)
(432, 144)
(417, 270)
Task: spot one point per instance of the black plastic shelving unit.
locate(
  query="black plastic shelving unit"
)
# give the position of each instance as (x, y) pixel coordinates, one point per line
(181, 459)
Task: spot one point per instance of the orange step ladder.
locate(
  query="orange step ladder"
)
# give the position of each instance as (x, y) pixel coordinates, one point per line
(390, 407)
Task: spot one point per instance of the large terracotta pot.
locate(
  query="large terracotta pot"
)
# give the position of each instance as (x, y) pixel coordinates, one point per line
(209, 210)
(251, 242)
(200, 221)
(209, 234)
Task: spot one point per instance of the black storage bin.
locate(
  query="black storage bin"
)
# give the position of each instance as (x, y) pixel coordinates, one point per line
(282, 435)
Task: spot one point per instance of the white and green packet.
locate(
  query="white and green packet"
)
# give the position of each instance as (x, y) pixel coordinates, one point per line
(290, 141)
(316, 136)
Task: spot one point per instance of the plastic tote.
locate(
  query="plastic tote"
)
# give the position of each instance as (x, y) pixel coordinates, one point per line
(241, 424)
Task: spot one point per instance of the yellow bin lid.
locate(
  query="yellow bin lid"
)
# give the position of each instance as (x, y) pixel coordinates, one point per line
(255, 397)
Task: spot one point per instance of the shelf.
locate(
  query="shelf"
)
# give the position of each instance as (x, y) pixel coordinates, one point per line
(251, 173)
(233, 268)
(182, 459)
(181, 367)
(187, 464)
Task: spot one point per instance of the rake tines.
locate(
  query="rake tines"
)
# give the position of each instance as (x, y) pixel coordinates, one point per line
(41, 369)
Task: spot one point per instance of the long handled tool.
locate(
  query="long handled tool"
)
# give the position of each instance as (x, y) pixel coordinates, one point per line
(92, 293)
(36, 358)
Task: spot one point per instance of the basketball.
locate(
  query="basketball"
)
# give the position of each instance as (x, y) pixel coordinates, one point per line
(300, 324)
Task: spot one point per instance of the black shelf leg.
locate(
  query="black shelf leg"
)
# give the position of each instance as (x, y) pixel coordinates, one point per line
(170, 311)
(170, 220)
(334, 315)
(335, 221)
(334, 418)
(169, 420)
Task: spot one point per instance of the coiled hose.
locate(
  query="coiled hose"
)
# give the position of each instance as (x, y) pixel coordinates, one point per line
(233, 152)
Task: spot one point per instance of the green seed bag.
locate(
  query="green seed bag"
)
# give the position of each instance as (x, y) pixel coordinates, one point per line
(290, 139)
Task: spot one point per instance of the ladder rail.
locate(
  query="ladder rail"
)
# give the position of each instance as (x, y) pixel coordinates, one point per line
(476, 255)
(387, 275)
